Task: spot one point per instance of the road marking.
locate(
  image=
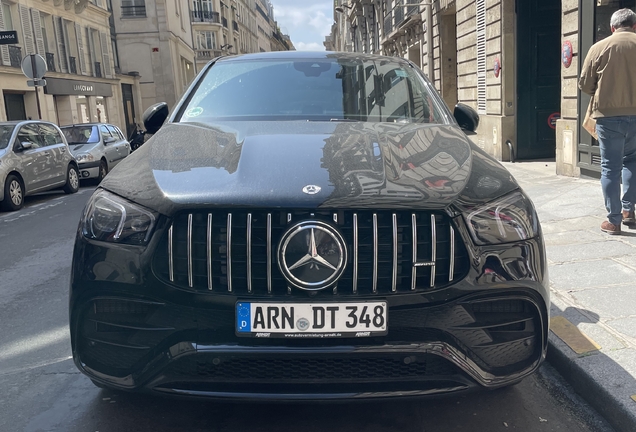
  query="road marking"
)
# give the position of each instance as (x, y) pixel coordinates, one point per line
(572, 336)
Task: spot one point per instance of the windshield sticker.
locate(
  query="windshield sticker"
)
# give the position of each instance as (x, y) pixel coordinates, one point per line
(194, 112)
(401, 73)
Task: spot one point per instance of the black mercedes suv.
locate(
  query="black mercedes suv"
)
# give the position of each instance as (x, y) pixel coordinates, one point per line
(309, 226)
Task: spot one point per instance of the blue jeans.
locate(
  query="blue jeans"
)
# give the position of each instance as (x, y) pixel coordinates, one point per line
(617, 138)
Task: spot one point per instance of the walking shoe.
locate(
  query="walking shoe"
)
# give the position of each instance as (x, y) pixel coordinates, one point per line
(610, 228)
(628, 217)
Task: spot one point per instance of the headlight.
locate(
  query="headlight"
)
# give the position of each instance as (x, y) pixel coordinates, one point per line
(85, 158)
(110, 218)
(505, 220)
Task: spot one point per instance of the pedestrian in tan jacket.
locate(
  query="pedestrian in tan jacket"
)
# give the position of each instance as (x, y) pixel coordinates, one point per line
(609, 76)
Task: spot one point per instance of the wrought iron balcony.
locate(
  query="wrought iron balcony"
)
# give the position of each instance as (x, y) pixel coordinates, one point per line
(72, 64)
(133, 11)
(15, 55)
(50, 61)
(205, 16)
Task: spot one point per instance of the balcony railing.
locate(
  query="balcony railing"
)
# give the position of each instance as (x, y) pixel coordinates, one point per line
(133, 11)
(235, 26)
(205, 16)
(50, 62)
(98, 69)
(72, 64)
(208, 54)
(224, 21)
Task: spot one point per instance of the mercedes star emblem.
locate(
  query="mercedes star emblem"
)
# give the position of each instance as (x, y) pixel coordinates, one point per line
(312, 255)
(311, 189)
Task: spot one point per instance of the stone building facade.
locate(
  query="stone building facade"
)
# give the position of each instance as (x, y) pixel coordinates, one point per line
(84, 82)
(516, 63)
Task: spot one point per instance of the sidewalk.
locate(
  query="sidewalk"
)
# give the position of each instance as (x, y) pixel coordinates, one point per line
(593, 286)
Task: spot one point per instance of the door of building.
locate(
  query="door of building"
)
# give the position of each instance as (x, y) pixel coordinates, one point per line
(538, 77)
(129, 109)
(14, 104)
(594, 27)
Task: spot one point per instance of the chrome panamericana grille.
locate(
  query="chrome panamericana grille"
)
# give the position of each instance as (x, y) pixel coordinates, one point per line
(235, 251)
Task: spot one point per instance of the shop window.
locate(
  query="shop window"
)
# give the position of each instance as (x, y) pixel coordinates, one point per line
(82, 110)
(603, 14)
(100, 110)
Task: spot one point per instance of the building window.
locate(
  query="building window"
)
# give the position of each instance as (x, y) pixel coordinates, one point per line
(206, 40)
(133, 8)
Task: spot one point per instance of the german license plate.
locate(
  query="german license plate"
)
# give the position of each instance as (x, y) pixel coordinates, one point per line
(311, 320)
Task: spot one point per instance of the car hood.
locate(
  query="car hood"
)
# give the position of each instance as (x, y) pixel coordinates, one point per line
(82, 148)
(307, 165)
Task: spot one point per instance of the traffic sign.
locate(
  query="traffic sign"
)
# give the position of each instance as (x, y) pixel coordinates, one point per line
(33, 83)
(34, 66)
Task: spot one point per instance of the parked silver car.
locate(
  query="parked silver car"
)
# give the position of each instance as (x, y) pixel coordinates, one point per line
(34, 157)
(98, 147)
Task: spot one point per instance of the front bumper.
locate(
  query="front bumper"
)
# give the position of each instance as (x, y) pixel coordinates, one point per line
(89, 170)
(481, 340)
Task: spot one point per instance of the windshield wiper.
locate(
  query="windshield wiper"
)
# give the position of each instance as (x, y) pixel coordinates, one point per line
(343, 120)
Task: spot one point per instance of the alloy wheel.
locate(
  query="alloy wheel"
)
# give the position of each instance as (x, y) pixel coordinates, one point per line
(15, 192)
(73, 178)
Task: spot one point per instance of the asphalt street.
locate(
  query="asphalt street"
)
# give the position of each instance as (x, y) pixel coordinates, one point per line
(40, 389)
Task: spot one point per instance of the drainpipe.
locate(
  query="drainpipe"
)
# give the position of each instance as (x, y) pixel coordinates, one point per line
(429, 43)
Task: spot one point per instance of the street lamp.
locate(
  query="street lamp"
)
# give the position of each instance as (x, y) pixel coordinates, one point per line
(226, 46)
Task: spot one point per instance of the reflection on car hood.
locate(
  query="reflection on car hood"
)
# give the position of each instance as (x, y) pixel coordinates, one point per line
(82, 148)
(268, 164)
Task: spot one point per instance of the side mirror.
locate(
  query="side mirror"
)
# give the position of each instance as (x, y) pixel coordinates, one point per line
(26, 145)
(109, 140)
(467, 118)
(154, 117)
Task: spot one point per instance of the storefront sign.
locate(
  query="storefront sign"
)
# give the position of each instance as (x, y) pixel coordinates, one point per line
(8, 37)
(552, 119)
(59, 86)
(497, 68)
(567, 52)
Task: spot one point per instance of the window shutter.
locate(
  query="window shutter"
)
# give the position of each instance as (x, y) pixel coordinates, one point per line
(103, 38)
(481, 56)
(58, 24)
(91, 50)
(4, 49)
(27, 30)
(37, 29)
(80, 48)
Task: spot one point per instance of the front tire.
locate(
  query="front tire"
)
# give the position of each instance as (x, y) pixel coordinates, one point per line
(13, 194)
(72, 180)
(103, 170)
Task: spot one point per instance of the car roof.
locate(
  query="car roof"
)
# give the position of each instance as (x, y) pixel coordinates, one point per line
(88, 124)
(20, 122)
(311, 55)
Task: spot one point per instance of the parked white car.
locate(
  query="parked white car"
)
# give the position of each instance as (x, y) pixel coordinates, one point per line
(97, 147)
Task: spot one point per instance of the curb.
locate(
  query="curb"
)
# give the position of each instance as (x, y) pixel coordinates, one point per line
(588, 388)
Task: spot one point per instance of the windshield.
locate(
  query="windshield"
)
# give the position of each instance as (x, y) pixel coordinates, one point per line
(81, 134)
(5, 135)
(320, 90)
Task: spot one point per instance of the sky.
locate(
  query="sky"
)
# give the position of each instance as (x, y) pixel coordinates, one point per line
(307, 22)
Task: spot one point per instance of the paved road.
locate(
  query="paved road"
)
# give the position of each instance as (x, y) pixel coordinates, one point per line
(40, 389)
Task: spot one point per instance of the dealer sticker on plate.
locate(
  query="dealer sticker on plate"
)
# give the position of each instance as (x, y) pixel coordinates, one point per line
(311, 320)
